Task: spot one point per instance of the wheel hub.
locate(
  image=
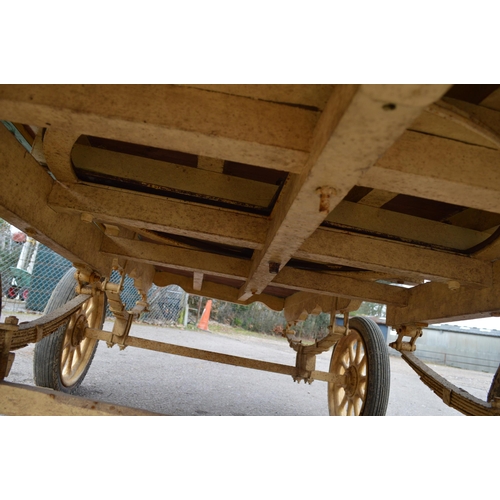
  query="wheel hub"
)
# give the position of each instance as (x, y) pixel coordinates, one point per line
(351, 381)
(78, 333)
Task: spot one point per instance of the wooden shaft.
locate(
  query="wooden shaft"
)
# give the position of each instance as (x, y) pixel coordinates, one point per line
(226, 359)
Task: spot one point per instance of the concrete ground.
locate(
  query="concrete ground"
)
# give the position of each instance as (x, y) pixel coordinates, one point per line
(174, 385)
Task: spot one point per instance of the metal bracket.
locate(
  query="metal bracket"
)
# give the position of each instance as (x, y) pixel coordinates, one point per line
(413, 331)
(306, 354)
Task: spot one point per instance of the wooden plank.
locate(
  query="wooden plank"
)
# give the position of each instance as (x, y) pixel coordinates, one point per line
(436, 303)
(377, 198)
(57, 146)
(366, 252)
(216, 290)
(231, 267)
(439, 169)
(356, 127)
(314, 96)
(192, 120)
(340, 286)
(159, 175)
(23, 400)
(174, 257)
(406, 227)
(23, 203)
(159, 213)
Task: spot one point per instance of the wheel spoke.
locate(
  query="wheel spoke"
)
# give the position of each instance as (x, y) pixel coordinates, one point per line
(65, 354)
(359, 353)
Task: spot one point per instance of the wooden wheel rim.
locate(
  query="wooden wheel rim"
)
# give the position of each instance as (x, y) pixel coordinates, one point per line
(77, 350)
(347, 395)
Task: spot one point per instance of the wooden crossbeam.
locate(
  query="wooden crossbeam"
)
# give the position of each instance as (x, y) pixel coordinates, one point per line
(197, 121)
(356, 127)
(63, 233)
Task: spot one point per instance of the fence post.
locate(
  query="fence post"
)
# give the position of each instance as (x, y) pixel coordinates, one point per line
(186, 309)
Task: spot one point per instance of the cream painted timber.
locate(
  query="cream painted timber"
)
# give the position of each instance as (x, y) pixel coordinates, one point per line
(446, 120)
(23, 203)
(315, 96)
(482, 115)
(231, 267)
(340, 286)
(197, 281)
(436, 303)
(23, 400)
(355, 128)
(407, 227)
(377, 198)
(439, 169)
(160, 174)
(301, 304)
(391, 257)
(57, 146)
(173, 117)
(177, 258)
(158, 213)
(492, 101)
(216, 291)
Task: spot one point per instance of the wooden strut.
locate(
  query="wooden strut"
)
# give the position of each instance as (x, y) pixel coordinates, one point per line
(453, 396)
(226, 359)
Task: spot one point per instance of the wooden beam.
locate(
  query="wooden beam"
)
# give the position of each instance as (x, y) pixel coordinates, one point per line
(340, 286)
(23, 400)
(439, 169)
(436, 303)
(170, 177)
(356, 127)
(159, 213)
(405, 227)
(23, 203)
(216, 290)
(197, 281)
(230, 267)
(197, 121)
(366, 252)
(313, 96)
(57, 146)
(174, 257)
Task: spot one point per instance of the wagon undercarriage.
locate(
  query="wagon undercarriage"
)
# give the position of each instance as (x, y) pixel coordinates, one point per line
(307, 198)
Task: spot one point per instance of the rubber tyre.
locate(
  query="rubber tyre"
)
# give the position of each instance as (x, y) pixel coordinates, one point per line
(378, 367)
(48, 352)
(494, 391)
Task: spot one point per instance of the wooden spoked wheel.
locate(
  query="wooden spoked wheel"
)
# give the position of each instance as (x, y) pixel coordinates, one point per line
(77, 351)
(349, 363)
(62, 359)
(360, 363)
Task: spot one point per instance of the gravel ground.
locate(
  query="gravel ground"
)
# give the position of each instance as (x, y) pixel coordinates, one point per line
(175, 385)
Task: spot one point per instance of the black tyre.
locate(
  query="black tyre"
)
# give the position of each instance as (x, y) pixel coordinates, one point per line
(494, 391)
(361, 362)
(62, 359)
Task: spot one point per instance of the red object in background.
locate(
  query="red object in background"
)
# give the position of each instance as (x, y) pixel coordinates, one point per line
(19, 237)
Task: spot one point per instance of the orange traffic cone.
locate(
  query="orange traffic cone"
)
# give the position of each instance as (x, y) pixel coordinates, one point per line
(203, 324)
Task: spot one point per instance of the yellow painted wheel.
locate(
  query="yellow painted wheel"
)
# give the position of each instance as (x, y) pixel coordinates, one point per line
(62, 359)
(360, 363)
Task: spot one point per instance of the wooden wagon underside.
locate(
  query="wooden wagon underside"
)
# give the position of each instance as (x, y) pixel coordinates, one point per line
(292, 195)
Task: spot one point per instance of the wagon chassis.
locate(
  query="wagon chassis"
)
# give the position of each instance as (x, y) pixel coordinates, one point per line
(305, 198)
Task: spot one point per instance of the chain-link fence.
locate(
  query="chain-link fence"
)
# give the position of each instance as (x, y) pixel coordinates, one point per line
(30, 271)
